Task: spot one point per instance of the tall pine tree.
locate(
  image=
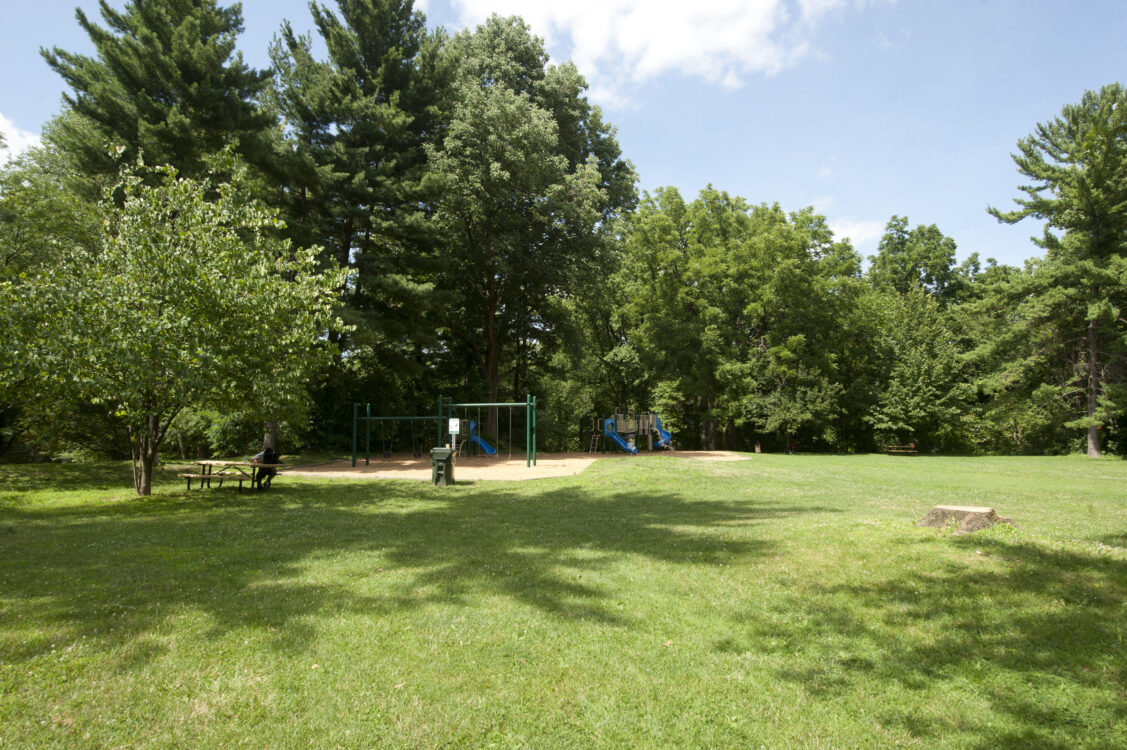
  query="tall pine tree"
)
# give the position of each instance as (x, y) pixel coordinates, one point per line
(165, 80)
(357, 124)
(1066, 323)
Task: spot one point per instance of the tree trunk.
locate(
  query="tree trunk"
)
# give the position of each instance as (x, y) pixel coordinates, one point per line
(144, 451)
(143, 447)
(1093, 390)
(269, 441)
(492, 365)
(711, 423)
(703, 425)
(708, 427)
(493, 378)
(520, 365)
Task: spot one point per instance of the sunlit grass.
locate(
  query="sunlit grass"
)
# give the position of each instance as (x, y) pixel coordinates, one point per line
(781, 601)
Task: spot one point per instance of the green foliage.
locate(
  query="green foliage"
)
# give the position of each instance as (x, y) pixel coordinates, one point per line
(43, 220)
(189, 300)
(207, 433)
(495, 246)
(522, 180)
(41, 216)
(925, 395)
(731, 312)
(166, 82)
(354, 159)
(1063, 322)
(911, 258)
(1078, 164)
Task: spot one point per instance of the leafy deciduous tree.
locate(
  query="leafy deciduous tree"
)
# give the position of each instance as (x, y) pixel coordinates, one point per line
(524, 179)
(924, 392)
(733, 312)
(910, 258)
(187, 302)
(42, 221)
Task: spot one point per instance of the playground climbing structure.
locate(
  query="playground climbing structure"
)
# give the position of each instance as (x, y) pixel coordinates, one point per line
(625, 432)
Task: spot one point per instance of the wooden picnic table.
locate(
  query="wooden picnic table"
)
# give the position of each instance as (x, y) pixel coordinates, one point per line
(235, 471)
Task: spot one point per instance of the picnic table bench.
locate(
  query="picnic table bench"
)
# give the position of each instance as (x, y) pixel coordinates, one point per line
(909, 449)
(233, 471)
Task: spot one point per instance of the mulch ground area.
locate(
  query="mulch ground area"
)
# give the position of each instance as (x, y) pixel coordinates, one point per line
(474, 468)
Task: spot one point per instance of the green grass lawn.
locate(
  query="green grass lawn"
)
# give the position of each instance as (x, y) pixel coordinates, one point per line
(785, 601)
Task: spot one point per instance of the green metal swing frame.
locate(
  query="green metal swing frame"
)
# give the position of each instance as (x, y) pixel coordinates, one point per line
(446, 407)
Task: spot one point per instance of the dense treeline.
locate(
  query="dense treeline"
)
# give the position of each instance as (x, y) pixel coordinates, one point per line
(481, 234)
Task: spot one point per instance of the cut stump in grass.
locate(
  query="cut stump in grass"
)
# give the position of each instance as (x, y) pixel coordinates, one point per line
(969, 518)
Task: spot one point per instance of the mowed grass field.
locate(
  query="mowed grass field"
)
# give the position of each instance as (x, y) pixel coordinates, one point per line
(783, 601)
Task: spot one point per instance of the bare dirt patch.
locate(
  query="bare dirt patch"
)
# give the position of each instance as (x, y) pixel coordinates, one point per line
(475, 468)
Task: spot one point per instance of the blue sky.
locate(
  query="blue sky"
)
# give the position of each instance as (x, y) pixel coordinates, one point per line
(860, 108)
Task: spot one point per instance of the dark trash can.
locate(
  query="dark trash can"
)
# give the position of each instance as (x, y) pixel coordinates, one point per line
(442, 466)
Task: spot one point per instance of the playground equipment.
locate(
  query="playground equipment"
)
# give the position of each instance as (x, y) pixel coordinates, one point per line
(418, 432)
(610, 429)
(625, 431)
(665, 439)
(473, 437)
(446, 412)
(468, 438)
(470, 427)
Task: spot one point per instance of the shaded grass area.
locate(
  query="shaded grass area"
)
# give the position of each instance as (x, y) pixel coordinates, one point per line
(782, 601)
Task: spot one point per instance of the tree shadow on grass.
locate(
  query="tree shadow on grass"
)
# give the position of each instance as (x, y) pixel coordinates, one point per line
(1114, 540)
(110, 475)
(1036, 634)
(117, 573)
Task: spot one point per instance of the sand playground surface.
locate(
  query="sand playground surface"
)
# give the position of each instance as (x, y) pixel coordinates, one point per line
(475, 468)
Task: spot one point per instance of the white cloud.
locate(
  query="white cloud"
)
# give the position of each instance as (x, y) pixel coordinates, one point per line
(618, 44)
(815, 9)
(900, 38)
(865, 235)
(825, 173)
(16, 140)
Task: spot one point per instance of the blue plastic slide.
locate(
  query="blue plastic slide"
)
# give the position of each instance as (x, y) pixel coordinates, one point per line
(610, 429)
(489, 449)
(665, 440)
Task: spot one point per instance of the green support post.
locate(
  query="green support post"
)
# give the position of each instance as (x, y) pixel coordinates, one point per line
(368, 434)
(446, 411)
(355, 416)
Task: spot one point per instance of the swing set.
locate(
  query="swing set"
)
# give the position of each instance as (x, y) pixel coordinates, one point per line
(465, 438)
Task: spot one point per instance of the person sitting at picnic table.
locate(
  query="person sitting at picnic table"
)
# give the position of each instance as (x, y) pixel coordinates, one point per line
(266, 456)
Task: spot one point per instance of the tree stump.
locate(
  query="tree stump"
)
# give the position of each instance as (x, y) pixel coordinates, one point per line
(968, 517)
